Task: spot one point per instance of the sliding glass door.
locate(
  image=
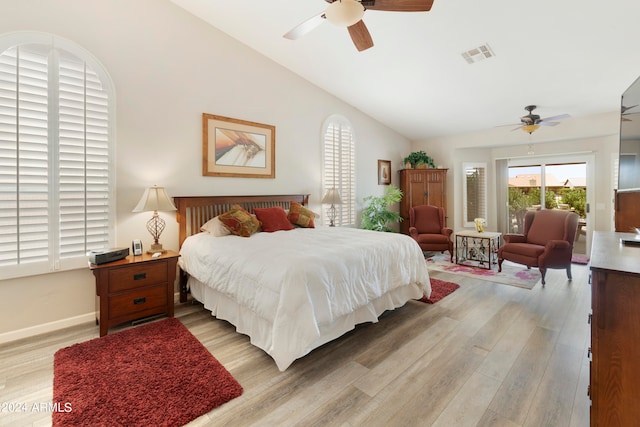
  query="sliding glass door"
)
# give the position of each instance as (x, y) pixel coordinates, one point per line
(549, 183)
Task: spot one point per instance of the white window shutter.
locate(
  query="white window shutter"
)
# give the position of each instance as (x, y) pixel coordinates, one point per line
(339, 168)
(54, 160)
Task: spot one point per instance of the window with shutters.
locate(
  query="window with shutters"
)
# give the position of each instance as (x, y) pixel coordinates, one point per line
(474, 192)
(55, 155)
(339, 169)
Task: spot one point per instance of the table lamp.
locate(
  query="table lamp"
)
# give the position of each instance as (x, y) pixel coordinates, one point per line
(153, 200)
(332, 197)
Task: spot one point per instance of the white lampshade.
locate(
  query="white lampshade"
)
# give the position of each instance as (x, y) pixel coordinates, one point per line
(344, 13)
(332, 197)
(154, 199)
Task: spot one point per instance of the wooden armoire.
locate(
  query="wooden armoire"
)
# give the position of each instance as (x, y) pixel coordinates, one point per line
(421, 187)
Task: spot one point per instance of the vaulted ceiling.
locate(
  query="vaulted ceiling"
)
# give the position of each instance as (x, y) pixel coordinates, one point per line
(569, 56)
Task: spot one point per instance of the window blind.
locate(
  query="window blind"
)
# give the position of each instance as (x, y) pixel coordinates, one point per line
(54, 160)
(339, 168)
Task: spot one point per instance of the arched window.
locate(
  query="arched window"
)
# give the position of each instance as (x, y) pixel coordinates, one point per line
(339, 168)
(55, 155)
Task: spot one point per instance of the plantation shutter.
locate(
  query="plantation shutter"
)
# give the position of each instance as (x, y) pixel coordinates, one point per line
(476, 187)
(84, 154)
(54, 161)
(339, 168)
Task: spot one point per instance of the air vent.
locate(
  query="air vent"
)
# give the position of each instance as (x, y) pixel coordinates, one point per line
(478, 54)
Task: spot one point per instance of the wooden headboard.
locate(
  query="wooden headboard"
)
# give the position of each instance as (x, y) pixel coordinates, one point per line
(195, 211)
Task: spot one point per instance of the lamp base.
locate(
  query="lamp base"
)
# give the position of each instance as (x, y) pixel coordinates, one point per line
(156, 247)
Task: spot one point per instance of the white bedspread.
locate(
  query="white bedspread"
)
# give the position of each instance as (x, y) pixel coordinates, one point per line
(301, 282)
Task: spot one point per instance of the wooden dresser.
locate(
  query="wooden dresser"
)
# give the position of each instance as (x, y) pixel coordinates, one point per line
(421, 187)
(615, 331)
(133, 288)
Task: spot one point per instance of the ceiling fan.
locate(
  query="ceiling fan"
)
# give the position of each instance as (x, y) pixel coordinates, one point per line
(349, 13)
(623, 112)
(531, 122)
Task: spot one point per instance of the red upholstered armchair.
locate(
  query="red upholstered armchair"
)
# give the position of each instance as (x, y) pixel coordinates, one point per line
(547, 241)
(427, 227)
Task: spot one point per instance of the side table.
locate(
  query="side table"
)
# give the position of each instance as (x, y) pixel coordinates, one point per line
(480, 248)
(133, 288)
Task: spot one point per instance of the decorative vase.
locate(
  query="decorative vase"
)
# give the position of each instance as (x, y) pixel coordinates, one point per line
(407, 165)
(480, 224)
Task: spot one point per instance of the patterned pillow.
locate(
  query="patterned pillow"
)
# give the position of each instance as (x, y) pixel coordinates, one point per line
(273, 219)
(299, 215)
(239, 221)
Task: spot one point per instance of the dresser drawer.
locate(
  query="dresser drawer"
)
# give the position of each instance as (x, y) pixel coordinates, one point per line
(137, 301)
(137, 276)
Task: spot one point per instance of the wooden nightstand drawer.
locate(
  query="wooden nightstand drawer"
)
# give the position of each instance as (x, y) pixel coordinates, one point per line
(137, 276)
(133, 302)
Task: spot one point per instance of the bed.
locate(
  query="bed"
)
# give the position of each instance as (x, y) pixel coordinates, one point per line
(293, 291)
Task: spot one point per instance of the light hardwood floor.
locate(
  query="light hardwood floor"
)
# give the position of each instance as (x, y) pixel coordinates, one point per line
(487, 355)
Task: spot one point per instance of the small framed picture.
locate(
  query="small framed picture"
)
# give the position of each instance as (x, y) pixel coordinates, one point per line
(384, 172)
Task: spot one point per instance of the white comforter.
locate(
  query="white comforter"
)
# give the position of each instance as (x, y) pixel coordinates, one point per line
(302, 281)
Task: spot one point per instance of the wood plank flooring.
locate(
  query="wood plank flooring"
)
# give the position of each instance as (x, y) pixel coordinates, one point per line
(487, 355)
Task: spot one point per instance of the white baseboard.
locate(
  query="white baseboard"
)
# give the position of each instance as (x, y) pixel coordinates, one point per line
(46, 327)
(54, 326)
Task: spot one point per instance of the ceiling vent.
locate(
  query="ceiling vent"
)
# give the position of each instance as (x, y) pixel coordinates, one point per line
(478, 54)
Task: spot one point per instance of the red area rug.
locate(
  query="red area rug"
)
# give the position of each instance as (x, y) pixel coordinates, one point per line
(155, 374)
(439, 290)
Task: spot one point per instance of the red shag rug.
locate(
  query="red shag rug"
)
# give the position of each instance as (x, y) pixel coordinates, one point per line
(439, 290)
(156, 374)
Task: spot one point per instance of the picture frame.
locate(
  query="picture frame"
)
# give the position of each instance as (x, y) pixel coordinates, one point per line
(237, 148)
(384, 172)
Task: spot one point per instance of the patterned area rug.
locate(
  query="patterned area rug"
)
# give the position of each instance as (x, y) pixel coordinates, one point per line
(157, 374)
(512, 274)
(580, 259)
(439, 290)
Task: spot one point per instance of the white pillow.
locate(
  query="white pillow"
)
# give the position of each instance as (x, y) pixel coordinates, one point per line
(215, 227)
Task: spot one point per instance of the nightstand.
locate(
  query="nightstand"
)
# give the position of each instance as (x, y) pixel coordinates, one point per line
(133, 288)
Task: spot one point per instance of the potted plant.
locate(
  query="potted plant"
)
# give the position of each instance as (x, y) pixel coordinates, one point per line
(377, 216)
(420, 160)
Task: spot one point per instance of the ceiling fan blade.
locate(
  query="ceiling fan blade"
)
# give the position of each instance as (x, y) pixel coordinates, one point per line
(398, 5)
(559, 117)
(546, 123)
(305, 27)
(360, 36)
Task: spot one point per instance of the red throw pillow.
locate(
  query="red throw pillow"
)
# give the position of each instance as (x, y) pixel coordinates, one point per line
(273, 219)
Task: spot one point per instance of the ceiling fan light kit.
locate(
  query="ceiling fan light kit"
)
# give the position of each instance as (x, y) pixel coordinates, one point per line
(344, 13)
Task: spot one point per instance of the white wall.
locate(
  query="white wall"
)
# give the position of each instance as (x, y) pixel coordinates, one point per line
(169, 67)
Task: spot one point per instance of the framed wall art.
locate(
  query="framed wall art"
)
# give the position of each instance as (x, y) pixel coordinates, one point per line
(384, 172)
(237, 148)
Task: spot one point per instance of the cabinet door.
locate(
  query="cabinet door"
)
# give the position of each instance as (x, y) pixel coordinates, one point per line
(435, 190)
(418, 188)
